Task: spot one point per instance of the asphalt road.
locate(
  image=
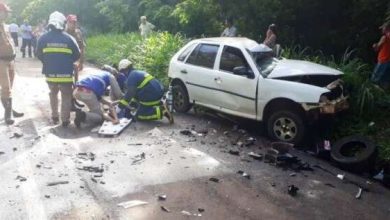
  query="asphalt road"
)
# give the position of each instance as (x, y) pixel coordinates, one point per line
(153, 158)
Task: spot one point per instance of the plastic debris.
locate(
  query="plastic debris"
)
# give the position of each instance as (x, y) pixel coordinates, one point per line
(92, 169)
(234, 152)
(255, 156)
(57, 183)
(292, 190)
(165, 209)
(201, 209)
(341, 176)
(132, 203)
(162, 197)
(359, 194)
(185, 213)
(244, 174)
(21, 178)
(213, 179)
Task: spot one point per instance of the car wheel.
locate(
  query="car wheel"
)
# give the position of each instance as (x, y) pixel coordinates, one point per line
(286, 126)
(354, 153)
(181, 101)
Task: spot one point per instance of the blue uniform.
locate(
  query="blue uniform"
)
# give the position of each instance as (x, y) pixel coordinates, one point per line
(98, 83)
(58, 51)
(147, 91)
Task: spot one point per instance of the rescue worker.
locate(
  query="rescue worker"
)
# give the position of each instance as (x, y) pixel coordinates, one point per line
(146, 91)
(72, 29)
(58, 51)
(7, 71)
(90, 90)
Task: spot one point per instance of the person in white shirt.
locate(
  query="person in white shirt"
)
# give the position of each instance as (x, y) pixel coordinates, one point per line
(230, 30)
(14, 30)
(27, 36)
(145, 27)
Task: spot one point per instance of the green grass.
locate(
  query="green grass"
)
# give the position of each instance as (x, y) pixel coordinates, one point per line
(151, 55)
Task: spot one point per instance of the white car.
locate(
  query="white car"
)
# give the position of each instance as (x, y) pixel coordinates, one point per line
(240, 77)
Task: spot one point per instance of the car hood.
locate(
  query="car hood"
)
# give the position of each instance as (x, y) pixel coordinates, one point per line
(287, 68)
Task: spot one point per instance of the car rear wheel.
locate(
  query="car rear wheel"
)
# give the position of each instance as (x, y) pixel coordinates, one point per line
(181, 101)
(286, 126)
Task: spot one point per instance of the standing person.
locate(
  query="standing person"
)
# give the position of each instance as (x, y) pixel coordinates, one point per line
(27, 36)
(145, 27)
(58, 51)
(7, 56)
(146, 91)
(270, 37)
(90, 90)
(230, 29)
(72, 29)
(14, 30)
(381, 73)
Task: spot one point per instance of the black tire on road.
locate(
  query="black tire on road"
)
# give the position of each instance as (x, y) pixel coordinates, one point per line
(181, 101)
(287, 126)
(355, 153)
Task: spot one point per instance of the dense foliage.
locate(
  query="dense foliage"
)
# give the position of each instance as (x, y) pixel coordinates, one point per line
(331, 26)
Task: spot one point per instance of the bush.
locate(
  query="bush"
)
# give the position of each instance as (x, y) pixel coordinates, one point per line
(151, 55)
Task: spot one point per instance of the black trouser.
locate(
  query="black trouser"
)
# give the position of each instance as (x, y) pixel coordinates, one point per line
(26, 42)
(14, 36)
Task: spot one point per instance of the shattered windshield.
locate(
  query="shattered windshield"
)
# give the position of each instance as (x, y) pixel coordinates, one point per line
(265, 62)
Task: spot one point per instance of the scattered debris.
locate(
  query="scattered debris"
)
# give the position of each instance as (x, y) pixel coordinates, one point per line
(137, 159)
(47, 196)
(273, 184)
(292, 190)
(21, 178)
(38, 166)
(293, 174)
(330, 185)
(186, 213)
(94, 180)
(132, 203)
(213, 179)
(1, 153)
(359, 194)
(244, 174)
(91, 169)
(14, 149)
(135, 144)
(186, 132)
(162, 197)
(86, 156)
(57, 183)
(98, 175)
(341, 176)
(102, 182)
(234, 152)
(250, 141)
(17, 134)
(201, 209)
(255, 156)
(165, 209)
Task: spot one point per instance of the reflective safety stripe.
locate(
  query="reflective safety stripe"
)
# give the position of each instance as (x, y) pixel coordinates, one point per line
(59, 79)
(57, 50)
(124, 102)
(147, 78)
(152, 103)
(156, 116)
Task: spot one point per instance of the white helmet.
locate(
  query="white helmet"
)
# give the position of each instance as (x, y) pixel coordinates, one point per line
(123, 64)
(57, 19)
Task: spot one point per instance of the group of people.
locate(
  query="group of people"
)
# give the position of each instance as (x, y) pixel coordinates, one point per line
(60, 50)
(231, 31)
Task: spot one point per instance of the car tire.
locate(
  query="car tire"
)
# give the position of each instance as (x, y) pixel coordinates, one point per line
(181, 101)
(346, 154)
(287, 126)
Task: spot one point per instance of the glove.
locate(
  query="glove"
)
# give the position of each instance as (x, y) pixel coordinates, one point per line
(123, 104)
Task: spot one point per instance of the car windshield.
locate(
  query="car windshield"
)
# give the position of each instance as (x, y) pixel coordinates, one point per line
(265, 62)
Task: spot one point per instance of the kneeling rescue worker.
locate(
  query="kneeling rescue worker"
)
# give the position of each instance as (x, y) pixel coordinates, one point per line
(146, 91)
(90, 90)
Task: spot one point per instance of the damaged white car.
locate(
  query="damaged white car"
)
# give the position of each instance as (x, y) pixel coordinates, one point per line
(240, 77)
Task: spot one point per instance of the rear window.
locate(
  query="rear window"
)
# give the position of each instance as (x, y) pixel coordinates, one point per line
(185, 53)
(203, 55)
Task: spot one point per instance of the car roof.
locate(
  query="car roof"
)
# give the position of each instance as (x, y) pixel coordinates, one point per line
(237, 42)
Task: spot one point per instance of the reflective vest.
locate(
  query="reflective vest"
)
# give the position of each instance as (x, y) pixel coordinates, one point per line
(58, 51)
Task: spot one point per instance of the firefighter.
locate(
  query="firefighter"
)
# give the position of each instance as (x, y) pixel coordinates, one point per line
(58, 51)
(143, 89)
(90, 90)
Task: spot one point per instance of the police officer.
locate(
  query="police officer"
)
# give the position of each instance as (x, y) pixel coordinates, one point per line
(58, 51)
(146, 91)
(7, 71)
(90, 90)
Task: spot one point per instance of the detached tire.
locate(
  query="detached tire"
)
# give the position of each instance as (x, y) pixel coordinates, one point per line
(355, 153)
(286, 126)
(181, 101)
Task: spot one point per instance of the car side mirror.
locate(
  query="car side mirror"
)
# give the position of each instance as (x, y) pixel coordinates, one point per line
(244, 71)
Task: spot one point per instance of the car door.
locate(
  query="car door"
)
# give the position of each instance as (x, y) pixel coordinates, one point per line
(238, 93)
(200, 73)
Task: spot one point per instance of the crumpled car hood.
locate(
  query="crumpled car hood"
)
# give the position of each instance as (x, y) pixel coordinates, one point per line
(286, 68)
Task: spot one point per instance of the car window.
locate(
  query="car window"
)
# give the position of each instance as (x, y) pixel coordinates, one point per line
(185, 53)
(203, 55)
(231, 58)
(265, 62)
